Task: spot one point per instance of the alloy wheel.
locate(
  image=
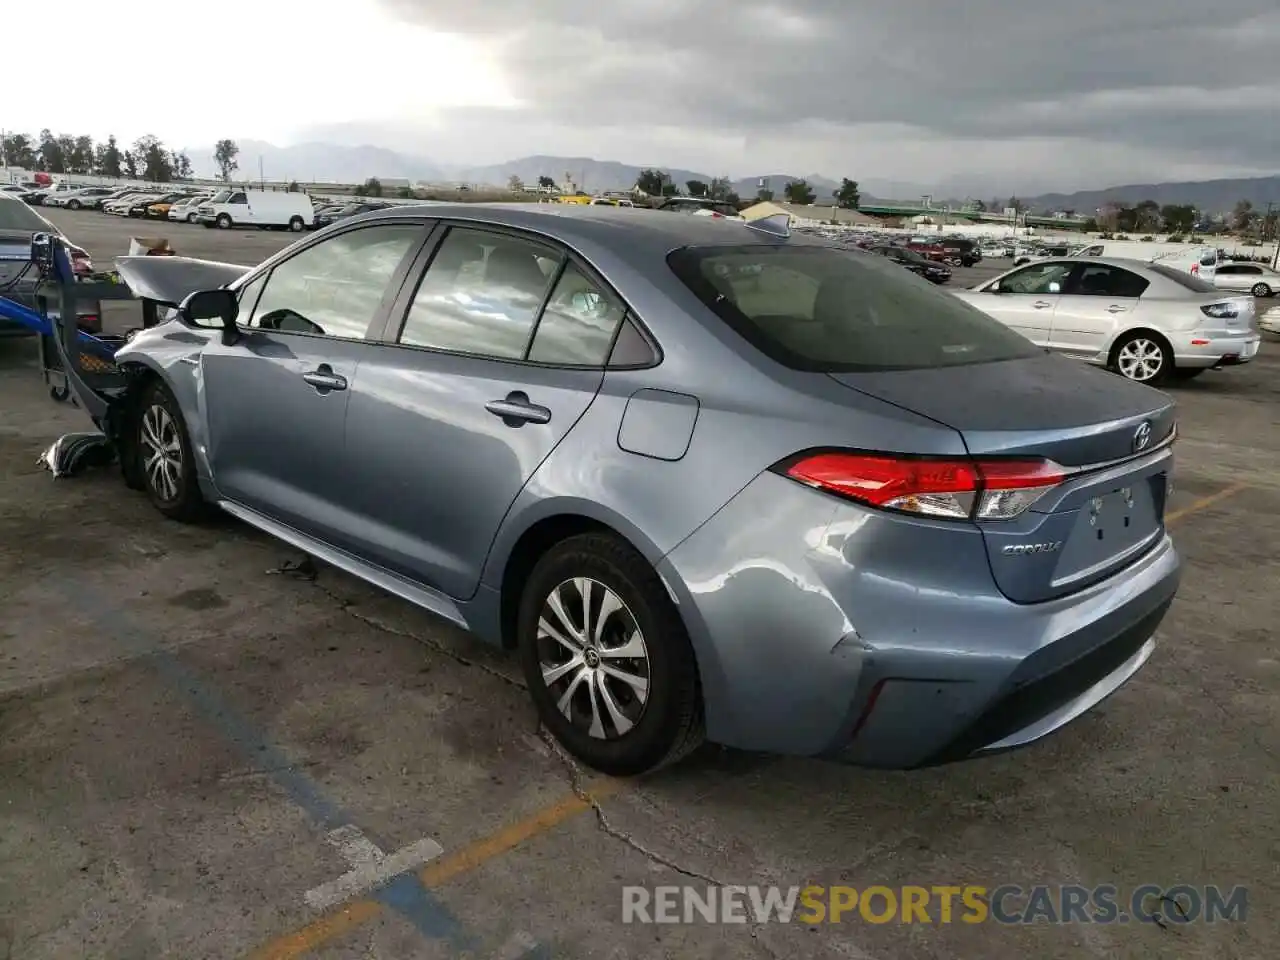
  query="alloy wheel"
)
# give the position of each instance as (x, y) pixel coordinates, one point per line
(1140, 359)
(593, 658)
(161, 453)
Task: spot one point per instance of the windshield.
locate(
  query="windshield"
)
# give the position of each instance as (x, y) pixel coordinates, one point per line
(16, 215)
(820, 308)
(222, 196)
(1183, 277)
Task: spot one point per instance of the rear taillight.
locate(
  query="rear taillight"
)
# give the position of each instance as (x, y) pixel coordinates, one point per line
(954, 488)
(1221, 311)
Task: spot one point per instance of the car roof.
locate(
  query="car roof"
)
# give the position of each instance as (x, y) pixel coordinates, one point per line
(616, 229)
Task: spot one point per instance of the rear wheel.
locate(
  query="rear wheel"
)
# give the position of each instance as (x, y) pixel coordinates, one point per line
(297, 224)
(1261, 290)
(1143, 357)
(607, 659)
(165, 462)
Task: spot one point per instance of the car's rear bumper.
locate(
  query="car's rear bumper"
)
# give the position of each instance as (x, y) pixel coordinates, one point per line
(1216, 349)
(824, 629)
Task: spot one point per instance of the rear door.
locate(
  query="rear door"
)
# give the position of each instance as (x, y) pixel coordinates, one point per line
(1097, 302)
(496, 352)
(275, 403)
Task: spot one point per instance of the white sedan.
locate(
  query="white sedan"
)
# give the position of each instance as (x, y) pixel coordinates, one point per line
(1144, 320)
(1255, 278)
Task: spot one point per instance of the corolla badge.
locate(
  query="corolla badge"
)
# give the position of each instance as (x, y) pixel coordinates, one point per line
(1023, 549)
(1142, 436)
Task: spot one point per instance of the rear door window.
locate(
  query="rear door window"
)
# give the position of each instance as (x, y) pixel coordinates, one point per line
(820, 308)
(1100, 280)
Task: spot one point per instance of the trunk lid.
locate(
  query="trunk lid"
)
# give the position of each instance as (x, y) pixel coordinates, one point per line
(1110, 434)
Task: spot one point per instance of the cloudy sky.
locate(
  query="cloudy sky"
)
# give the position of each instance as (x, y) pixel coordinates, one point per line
(974, 96)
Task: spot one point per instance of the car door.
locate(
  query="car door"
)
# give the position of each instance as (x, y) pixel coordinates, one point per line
(1230, 276)
(275, 402)
(1096, 304)
(497, 350)
(1025, 299)
(238, 208)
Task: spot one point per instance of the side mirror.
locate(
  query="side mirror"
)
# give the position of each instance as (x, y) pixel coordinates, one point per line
(207, 308)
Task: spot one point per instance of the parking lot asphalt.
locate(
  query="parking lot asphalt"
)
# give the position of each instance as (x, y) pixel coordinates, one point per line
(198, 751)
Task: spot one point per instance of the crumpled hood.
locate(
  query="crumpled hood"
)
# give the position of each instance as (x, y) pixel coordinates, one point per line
(172, 279)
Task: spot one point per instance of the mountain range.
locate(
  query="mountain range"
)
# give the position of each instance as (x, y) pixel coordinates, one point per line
(326, 162)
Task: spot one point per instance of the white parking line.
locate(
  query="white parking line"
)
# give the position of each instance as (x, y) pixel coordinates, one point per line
(370, 867)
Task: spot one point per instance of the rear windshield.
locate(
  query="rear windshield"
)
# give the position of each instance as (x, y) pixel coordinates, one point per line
(820, 308)
(16, 215)
(1182, 277)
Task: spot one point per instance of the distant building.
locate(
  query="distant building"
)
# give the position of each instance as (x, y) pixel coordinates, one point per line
(810, 215)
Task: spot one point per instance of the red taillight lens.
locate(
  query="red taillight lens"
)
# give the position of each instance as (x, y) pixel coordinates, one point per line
(956, 488)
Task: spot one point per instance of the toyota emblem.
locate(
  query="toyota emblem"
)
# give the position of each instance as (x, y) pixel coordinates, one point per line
(1141, 437)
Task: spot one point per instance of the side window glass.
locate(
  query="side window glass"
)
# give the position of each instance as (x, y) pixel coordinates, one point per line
(1037, 279)
(238, 198)
(480, 295)
(335, 288)
(248, 299)
(1103, 281)
(631, 348)
(577, 325)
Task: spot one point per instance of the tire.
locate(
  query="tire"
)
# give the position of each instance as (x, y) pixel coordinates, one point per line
(1261, 290)
(297, 225)
(662, 725)
(224, 221)
(172, 486)
(191, 218)
(1142, 357)
(73, 204)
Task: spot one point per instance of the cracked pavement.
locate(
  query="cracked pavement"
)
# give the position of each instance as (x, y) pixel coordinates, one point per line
(132, 827)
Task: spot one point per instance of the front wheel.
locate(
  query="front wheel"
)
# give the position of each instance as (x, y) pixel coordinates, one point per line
(1261, 290)
(73, 204)
(1142, 357)
(607, 659)
(224, 222)
(191, 218)
(165, 463)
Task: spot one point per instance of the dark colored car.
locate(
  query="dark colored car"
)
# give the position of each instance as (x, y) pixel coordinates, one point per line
(139, 209)
(961, 251)
(915, 262)
(349, 210)
(18, 224)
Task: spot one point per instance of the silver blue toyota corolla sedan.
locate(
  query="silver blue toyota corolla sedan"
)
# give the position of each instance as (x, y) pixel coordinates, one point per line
(710, 480)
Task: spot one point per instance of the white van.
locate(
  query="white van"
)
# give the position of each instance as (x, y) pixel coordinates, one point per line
(1194, 258)
(270, 209)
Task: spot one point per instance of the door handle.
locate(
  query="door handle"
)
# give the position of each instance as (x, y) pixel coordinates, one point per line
(324, 379)
(1041, 304)
(1116, 308)
(516, 409)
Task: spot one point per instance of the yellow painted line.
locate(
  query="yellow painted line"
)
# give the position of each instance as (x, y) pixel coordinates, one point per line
(1210, 500)
(439, 872)
(436, 873)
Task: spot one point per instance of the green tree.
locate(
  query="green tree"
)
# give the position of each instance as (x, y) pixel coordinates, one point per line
(225, 153)
(847, 196)
(979, 206)
(80, 155)
(153, 159)
(180, 163)
(51, 156)
(1178, 218)
(1242, 217)
(546, 183)
(652, 182)
(1146, 216)
(697, 188)
(720, 188)
(669, 189)
(107, 158)
(764, 195)
(130, 164)
(515, 184)
(18, 151)
(799, 191)
(373, 187)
